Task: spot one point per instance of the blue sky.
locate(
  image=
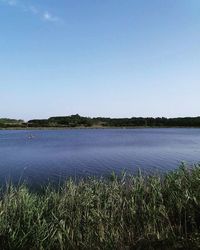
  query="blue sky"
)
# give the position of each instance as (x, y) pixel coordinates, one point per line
(99, 58)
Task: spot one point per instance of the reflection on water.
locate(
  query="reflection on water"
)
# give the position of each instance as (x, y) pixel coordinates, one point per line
(39, 155)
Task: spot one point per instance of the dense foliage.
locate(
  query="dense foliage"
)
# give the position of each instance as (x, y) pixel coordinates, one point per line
(6, 123)
(79, 121)
(130, 212)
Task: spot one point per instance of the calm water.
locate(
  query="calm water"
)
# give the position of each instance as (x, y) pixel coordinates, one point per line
(52, 154)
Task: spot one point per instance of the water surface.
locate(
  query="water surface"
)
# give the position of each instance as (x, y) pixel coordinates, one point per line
(39, 155)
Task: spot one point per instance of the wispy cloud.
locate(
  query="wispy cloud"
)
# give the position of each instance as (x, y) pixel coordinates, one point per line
(49, 17)
(33, 9)
(42, 14)
(11, 2)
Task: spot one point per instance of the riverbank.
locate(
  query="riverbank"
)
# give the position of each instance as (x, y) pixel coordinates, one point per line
(130, 212)
(77, 121)
(94, 127)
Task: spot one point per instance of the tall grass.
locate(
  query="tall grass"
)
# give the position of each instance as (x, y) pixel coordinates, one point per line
(130, 212)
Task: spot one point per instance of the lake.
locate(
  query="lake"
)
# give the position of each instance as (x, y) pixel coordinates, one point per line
(41, 155)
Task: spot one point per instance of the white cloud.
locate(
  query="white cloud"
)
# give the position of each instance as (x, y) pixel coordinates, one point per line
(48, 17)
(44, 15)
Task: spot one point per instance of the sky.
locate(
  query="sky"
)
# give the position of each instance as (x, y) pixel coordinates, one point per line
(112, 58)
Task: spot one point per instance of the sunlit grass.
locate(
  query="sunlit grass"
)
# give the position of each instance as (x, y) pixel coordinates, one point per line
(130, 212)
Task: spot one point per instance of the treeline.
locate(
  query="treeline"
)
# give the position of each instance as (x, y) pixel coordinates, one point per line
(80, 121)
(11, 123)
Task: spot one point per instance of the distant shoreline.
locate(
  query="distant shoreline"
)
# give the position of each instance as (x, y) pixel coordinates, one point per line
(86, 128)
(81, 122)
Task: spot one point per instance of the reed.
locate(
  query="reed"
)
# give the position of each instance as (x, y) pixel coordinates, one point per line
(126, 212)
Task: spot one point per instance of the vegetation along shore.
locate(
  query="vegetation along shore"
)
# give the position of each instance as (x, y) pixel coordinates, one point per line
(77, 121)
(126, 212)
